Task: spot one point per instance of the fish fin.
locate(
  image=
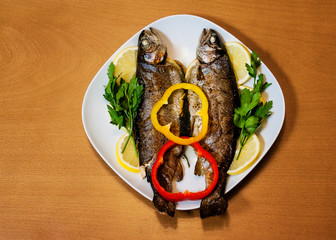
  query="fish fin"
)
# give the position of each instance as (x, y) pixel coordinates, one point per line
(199, 171)
(199, 74)
(179, 172)
(202, 167)
(182, 68)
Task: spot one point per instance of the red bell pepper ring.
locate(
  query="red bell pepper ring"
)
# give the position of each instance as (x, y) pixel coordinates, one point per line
(179, 196)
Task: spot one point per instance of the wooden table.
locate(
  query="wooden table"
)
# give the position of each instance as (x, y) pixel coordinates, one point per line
(53, 184)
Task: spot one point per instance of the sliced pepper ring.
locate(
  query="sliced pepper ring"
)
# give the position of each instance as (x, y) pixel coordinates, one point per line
(203, 113)
(179, 196)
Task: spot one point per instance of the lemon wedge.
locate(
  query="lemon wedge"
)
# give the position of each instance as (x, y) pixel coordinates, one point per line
(191, 69)
(128, 159)
(239, 56)
(125, 63)
(248, 156)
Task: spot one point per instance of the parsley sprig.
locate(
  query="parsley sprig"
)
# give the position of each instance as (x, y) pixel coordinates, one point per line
(249, 116)
(124, 99)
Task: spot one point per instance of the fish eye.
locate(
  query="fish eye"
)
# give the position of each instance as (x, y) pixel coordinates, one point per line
(145, 42)
(212, 39)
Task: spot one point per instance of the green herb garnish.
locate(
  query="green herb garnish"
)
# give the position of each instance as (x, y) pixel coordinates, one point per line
(186, 158)
(124, 99)
(249, 116)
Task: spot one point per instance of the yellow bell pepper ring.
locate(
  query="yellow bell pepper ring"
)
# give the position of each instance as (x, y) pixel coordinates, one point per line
(203, 113)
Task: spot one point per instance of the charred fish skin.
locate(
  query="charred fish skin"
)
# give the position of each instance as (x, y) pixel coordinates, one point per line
(215, 76)
(157, 74)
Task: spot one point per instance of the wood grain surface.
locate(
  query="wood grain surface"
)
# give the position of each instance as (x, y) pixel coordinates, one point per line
(53, 184)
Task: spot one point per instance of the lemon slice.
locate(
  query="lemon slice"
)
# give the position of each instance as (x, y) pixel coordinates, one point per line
(241, 87)
(128, 159)
(177, 65)
(248, 155)
(125, 63)
(191, 69)
(239, 56)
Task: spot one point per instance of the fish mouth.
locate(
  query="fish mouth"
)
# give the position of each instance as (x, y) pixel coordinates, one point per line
(151, 47)
(205, 35)
(210, 46)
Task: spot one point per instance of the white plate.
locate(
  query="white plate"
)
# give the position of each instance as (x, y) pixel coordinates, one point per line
(181, 34)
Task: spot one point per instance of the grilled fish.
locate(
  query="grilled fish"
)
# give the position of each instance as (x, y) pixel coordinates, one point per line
(157, 73)
(214, 74)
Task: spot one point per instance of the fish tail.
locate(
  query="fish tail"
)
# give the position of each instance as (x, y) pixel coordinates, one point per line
(217, 207)
(216, 203)
(163, 205)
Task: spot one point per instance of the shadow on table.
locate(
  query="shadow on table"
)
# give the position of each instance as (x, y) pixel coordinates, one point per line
(207, 224)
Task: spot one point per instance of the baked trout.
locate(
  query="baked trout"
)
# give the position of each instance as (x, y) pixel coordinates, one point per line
(156, 73)
(214, 74)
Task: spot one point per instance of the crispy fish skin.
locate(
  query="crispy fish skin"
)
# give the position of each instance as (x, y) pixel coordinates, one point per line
(215, 75)
(157, 74)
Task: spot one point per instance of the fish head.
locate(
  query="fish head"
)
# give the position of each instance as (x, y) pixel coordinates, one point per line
(210, 46)
(151, 48)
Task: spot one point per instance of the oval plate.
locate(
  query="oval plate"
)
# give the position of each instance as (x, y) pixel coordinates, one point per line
(181, 34)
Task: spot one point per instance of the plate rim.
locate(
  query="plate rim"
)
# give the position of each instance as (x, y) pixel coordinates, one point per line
(110, 59)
